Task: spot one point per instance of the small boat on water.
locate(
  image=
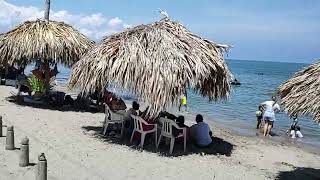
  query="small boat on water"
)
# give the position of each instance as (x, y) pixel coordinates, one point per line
(235, 82)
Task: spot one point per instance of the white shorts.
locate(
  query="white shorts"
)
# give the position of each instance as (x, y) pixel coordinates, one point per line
(269, 116)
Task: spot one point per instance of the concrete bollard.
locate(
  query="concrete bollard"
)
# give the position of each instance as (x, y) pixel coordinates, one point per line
(1, 126)
(24, 152)
(10, 138)
(41, 168)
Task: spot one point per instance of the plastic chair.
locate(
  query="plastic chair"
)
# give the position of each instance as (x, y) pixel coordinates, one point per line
(166, 131)
(115, 117)
(138, 127)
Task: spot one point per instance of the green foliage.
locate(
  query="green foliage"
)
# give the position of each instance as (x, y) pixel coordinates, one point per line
(36, 84)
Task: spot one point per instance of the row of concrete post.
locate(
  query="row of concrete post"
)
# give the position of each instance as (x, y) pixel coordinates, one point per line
(41, 171)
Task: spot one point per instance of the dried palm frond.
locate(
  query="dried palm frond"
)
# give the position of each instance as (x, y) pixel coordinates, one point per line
(300, 95)
(155, 62)
(54, 41)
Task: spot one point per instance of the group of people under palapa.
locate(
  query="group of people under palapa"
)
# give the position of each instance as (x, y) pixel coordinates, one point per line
(199, 134)
(266, 112)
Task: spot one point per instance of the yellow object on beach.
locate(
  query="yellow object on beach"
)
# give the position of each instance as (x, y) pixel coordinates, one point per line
(184, 101)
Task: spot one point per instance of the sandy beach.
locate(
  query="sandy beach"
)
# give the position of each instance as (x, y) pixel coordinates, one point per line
(74, 150)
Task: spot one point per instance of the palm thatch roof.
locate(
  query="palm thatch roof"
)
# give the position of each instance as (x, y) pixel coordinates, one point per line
(300, 95)
(54, 41)
(155, 61)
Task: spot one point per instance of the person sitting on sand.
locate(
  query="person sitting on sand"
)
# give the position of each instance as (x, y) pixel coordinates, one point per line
(201, 133)
(271, 107)
(128, 120)
(259, 115)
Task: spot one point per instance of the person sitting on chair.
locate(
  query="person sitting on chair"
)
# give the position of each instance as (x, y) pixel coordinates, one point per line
(115, 103)
(128, 120)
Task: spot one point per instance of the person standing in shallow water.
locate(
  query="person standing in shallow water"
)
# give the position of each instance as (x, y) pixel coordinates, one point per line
(271, 107)
(259, 115)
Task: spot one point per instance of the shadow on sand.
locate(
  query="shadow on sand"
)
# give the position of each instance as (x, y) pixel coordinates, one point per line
(219, 147)
(299, 174)
(32, 164)
(64, 108)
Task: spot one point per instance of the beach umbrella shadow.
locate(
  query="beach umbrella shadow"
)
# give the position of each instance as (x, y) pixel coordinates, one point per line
(300, 173)
(63, 108)
(218, 147)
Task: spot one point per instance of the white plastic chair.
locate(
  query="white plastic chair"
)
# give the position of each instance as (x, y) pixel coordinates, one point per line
(166, 131)
(138, 127)
(115, 117)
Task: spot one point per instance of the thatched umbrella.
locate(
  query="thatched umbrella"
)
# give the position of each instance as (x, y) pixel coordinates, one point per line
(300, 95)
(154, 61)
(51, 41)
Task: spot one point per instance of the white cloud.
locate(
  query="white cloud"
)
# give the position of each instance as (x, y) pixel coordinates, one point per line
(94, 25)
(115, 22)
(125, 26)
(10, 13)
(93, 20)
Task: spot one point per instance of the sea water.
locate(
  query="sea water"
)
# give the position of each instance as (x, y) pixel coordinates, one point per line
(259, 81)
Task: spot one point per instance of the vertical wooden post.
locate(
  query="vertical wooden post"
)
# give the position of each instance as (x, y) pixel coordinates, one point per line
(10, 138)
(24, 153)
(0, 125)
(41, 168)
(47, 10)
(46, 61)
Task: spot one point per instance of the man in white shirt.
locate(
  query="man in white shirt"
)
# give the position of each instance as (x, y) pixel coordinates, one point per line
(201, 132)
(269, 114)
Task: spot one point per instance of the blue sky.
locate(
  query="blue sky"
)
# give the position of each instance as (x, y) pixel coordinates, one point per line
(269, 30)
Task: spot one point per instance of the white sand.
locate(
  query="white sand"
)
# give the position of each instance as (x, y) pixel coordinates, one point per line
(76, 153)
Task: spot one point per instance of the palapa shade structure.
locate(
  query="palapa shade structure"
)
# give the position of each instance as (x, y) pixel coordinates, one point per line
(300, 95)
(154, 61)
(54, 41)
(51, 41)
